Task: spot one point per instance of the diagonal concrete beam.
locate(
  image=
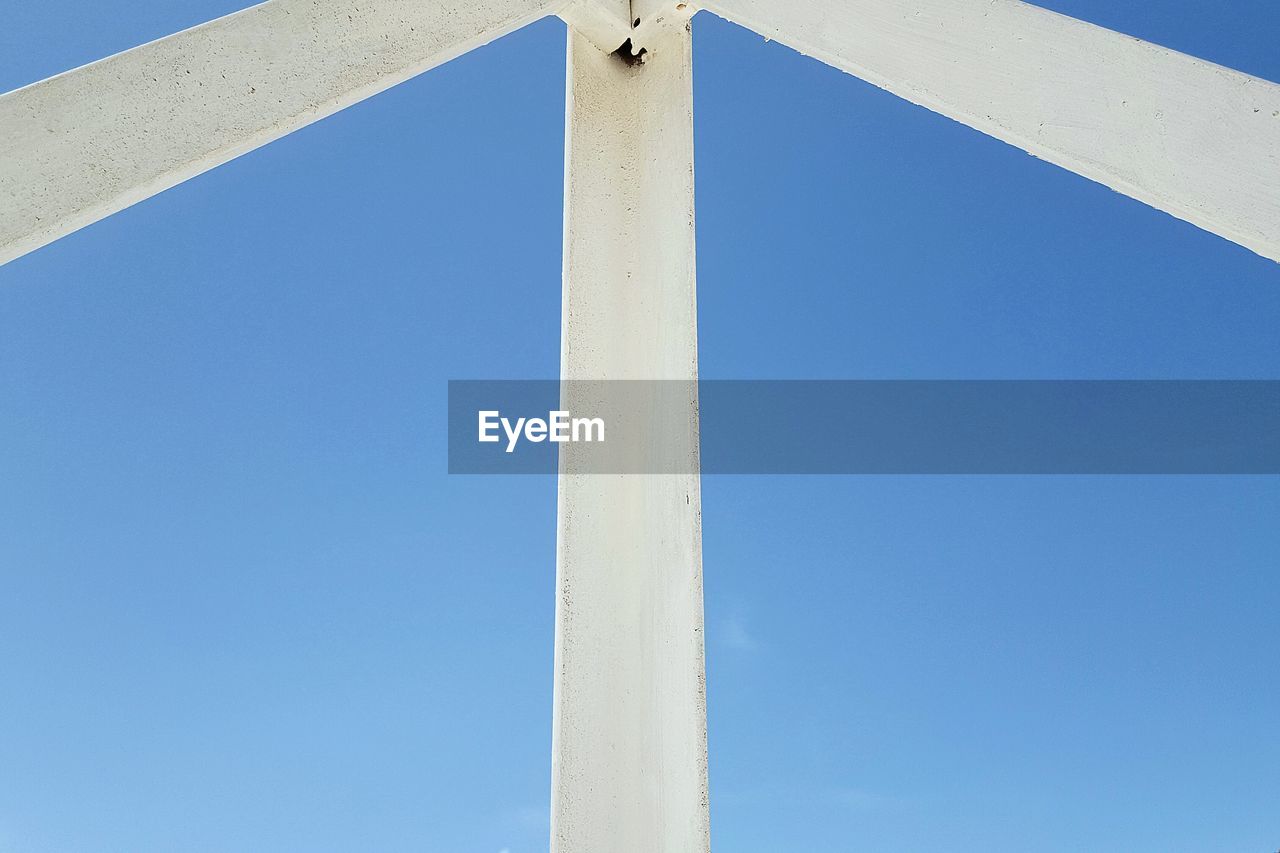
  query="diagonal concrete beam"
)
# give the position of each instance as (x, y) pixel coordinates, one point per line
(649, 17)
(85, 144)
(605, 23)
(1188, 137)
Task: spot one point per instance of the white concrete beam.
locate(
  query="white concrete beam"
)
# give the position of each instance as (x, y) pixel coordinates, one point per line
(606, 23)
(629, 744)
(1191, 138)
(653, 15)
(87, 143)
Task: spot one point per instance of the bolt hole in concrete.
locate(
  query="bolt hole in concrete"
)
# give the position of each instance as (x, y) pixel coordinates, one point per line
(624, 53)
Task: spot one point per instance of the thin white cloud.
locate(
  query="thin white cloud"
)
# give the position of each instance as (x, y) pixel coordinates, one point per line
(534, 817)
(527, 818)
(859, 799)
(733, 634)
(843, 799)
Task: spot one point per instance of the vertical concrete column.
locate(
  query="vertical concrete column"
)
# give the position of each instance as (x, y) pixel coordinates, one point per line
(630, 759)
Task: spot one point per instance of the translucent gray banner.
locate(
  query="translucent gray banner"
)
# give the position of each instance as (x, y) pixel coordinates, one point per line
(864, 427)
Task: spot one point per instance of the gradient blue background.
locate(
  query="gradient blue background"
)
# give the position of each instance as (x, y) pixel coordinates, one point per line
(243, 608)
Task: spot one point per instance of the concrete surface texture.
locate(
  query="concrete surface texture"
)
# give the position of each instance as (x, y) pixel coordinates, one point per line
(629, 743)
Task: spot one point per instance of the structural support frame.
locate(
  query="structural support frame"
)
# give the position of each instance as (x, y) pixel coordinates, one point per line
(1188, 137)
(629, 733)
(629, 744)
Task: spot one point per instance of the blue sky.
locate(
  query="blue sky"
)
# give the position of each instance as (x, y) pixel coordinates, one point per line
(243, 608)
